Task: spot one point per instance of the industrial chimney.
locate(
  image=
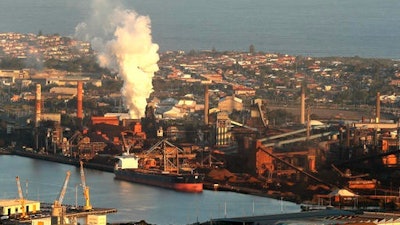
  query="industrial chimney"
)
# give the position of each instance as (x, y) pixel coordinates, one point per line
(206, 104)
(79, 110)
(378, 107)
(303, 106)
(206, 100)
(38, 104)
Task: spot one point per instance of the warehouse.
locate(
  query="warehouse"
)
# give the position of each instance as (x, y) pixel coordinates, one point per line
(10, 207)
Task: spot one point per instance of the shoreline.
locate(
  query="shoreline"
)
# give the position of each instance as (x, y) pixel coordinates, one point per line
(106, 168)
(62, 159)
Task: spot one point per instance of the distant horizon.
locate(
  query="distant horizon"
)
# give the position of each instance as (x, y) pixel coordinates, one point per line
(220, 51)
(363, 28)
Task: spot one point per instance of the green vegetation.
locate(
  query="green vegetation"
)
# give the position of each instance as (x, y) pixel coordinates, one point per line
(86, 64)
(12, 63)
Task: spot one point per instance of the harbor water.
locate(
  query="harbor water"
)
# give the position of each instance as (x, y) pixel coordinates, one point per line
(43, 180)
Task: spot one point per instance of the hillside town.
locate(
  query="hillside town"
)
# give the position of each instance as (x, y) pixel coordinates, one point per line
(271, 76)
(42, 47)
(255, 122)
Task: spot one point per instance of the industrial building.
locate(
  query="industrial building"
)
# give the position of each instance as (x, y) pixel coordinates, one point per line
(230, 104)
(11, 207)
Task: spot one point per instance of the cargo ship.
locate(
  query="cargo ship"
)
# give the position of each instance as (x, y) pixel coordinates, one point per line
(155, 168)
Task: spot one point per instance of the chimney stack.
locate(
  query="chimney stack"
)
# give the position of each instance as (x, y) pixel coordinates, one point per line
(206, 104)
(79, 110)
(378, 107)
(302, 106)
(38, 107)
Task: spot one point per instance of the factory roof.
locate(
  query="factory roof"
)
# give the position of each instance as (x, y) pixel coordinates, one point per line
(14, 202)
(329, 216)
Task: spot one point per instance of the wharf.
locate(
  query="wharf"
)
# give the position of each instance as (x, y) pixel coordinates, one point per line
(47, 157)
(73, 211)
(63, 160)
(232, 188)
(4, 151)
(99, 211)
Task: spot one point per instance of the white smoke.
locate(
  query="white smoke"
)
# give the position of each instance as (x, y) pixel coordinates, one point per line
(123, 41)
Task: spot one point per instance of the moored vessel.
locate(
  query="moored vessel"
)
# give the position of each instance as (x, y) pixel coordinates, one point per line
(160, 167)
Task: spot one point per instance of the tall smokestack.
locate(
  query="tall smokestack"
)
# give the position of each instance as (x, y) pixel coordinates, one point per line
(206, 104)
(38, 107)
(302, 106)
(79, 110)
(378, 107)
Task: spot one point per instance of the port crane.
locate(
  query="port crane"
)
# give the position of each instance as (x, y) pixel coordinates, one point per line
(58, 210)
(73, 143)
(169, 155)
(21, 199)
(85, 188)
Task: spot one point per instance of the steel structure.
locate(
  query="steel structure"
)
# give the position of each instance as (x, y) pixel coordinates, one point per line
(21, 199)
(85, 188)
(58, 211)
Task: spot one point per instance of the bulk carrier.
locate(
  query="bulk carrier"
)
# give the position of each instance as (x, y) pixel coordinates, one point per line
(160, 166)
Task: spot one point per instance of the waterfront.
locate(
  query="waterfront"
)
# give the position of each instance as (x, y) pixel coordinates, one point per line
(42, 180)
(365, 28)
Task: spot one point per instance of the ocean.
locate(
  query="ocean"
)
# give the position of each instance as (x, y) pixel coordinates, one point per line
(365, 28)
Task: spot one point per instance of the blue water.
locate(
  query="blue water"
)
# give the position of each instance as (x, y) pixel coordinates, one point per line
(42, 180)
(366, 28)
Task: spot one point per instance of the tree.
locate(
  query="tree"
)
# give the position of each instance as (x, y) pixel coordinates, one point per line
(11, 63)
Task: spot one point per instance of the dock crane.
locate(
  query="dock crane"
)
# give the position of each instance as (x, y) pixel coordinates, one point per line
(85, 188)
(57, 206)
(21, 199)
(57, 214)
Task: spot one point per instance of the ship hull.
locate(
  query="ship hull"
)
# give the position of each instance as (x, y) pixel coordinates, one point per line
(178, 182)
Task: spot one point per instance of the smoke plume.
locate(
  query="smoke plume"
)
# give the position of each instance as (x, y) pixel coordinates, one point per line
(122, 40)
